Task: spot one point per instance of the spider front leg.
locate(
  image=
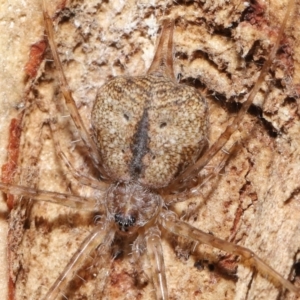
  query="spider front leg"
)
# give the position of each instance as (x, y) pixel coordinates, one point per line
(82, 178)
(70, 103)
(180, 182)
(102, 237)
(170, 222)
(156, 259)
(162, 64)
(194, 187)
(51, 197)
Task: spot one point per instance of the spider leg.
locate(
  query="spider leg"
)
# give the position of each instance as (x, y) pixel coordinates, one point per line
(102, 235)
(88, 141)
(155, 255)
(193, 187)
(170, 222)
(162, 64)
(138, 248)
(82, 178)
(52, 197)
(192, 170)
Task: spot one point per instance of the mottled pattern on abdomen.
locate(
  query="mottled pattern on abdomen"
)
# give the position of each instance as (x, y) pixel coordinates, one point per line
(148, 127)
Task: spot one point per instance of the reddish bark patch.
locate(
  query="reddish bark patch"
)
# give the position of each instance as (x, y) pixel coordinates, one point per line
(62, 5)
(11, 289)
(9, 168)
(255, 14)
(120, 280)
(228, 265)
(36, 56)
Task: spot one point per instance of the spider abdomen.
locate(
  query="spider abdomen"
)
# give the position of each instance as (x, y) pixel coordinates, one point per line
(148, 128)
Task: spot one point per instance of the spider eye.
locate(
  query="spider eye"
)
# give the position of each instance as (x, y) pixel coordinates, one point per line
(124, 222)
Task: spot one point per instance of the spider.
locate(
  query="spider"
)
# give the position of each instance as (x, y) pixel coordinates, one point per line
(139, 221)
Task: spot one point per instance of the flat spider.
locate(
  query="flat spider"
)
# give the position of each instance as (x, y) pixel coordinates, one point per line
(138, 181)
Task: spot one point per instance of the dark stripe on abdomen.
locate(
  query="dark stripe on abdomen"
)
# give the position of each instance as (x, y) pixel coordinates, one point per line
(140, 145)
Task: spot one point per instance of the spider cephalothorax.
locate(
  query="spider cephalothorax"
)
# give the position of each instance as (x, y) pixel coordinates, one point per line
(132, 206)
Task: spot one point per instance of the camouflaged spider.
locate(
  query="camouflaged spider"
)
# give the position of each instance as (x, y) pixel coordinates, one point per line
(148, 154)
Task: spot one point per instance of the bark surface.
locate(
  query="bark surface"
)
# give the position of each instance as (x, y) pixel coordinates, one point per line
(219, 49)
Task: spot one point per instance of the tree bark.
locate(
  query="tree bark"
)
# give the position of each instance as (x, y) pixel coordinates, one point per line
(219, 48)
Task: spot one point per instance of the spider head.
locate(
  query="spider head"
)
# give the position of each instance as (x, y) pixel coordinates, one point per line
(124, 222)
(131, 206)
